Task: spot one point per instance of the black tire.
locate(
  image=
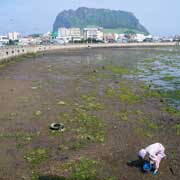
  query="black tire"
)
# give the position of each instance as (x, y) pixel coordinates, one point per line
(57, 126)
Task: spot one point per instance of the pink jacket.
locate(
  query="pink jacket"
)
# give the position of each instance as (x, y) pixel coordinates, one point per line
(156, 153)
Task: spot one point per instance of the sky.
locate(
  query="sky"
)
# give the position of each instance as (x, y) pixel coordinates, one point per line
(160, 17)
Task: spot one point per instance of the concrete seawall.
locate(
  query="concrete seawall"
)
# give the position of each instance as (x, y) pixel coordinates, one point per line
(6, 53)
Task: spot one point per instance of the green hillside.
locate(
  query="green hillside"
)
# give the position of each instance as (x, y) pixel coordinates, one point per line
(108, 19)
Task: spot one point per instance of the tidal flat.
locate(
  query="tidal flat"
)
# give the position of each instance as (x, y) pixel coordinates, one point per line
(112, 102)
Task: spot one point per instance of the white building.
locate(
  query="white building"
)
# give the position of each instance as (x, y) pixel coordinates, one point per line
(121, 38)
(14, 36)
(93, 33)
(140, 37)
(69, 34)
(4, 39)
(47, 34)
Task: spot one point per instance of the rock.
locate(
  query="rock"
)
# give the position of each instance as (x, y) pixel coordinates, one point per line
(38, 113)
(61, 103)
(34, 88)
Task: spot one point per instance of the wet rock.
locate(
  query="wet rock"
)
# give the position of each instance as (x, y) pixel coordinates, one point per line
(161, 100)
(172, 171)
(64, 158)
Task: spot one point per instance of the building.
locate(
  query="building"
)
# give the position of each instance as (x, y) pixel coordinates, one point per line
(140, 37)
(69, 34)
(93, 33)
(14, 36)
(4, 40)
(176, 38)
(109, 38)
(121, 38)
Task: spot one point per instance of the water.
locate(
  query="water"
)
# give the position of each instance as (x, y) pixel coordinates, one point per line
(158, 67)
(161, 70)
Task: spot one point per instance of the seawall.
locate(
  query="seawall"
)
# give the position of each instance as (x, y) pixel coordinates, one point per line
(9, 52)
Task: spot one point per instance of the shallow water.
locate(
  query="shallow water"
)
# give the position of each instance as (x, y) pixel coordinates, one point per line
(157, 67)
(161, 70)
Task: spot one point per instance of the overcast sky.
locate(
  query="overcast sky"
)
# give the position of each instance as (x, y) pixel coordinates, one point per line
(160, 17)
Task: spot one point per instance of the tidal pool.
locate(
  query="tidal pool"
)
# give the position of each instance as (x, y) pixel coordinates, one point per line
(157, 67)
(161, 70)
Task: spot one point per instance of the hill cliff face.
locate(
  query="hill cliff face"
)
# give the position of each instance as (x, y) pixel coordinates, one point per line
(108, 19)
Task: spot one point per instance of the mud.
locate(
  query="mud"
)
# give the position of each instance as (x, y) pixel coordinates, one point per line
(107, 115)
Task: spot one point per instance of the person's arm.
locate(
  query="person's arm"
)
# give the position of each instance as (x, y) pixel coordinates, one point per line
(155, 171)
(156, 165)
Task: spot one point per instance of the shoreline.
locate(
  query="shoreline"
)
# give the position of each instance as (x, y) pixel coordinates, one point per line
(10, 52)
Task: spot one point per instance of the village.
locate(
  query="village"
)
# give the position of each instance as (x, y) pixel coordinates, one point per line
(80, 36)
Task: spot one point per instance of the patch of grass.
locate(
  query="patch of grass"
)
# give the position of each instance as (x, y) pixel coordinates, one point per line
(168, 78)
(151, 125)
(63, 147)
(93, 78)
(35, 175)
(172, 155)
(177, 127)
(122, 30)
(111, 178)
(90, 128)
(150, 60)
(36, 156)
(31, 55)
(26, 136)
(143, 132)
(84, 127)
(123, 116)
(110, 92)
(23, 99)
(2, 65)
(22, 138)
(11, 60)
(127, 95)
(153, 94)
(91, 103)
(138, 112)
(173, 111)
(146, 127)
(117, 69)
(85, 169)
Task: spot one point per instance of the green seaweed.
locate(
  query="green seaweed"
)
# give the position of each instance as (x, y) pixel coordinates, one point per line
(172, 111)
(36, 156)
(123, 116)
(84, 126)
(150, 60)
(91, 103)
(86, 169)
(117, 69)
(110, 92)
(127, 95)
(168, 78)
(177, 127)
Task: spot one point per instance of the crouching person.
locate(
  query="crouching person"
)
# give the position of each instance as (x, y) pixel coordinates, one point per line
(154, 153)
